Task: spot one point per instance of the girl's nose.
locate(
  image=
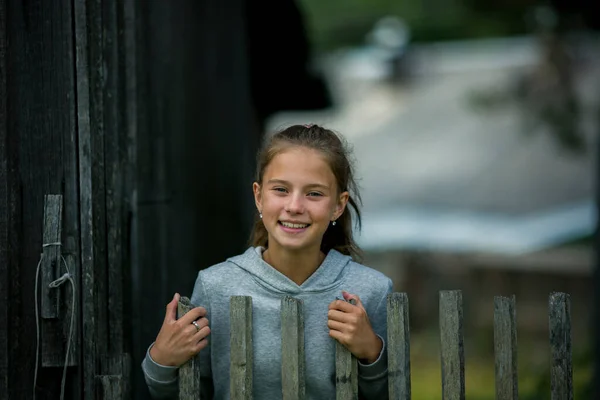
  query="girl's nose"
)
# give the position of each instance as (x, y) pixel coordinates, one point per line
(295, 205)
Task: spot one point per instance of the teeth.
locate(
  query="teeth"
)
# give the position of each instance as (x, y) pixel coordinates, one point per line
(296, 226)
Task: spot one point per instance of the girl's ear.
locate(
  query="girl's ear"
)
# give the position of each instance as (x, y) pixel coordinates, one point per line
(257, 196)
(341, 205)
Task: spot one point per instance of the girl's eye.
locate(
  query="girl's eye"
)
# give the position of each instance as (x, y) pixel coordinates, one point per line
(280, 189)
(315, 194)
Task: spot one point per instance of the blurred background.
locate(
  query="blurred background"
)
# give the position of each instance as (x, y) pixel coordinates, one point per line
(475, 129)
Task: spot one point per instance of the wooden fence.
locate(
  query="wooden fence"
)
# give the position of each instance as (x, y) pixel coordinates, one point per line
(398, 348)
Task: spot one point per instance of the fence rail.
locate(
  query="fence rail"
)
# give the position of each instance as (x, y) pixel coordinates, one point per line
(398, 348)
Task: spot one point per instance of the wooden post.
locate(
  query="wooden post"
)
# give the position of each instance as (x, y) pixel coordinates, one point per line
(56, 309)
(561, 373)
(51, 265)
(189, 373)
(240, 344)
(5, 209)
(110, 387)
(292, 349)
(398, 346)
(90, 359)
(452, 350)
(346, 374)
(505, 348)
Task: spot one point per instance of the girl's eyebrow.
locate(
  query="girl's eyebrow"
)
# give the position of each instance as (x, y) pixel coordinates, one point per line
(311, 185)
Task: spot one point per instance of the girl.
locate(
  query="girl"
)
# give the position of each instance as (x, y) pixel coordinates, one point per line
(302, 246)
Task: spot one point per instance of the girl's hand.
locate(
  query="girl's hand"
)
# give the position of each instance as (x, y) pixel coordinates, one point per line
(178, 339)
(350, 325)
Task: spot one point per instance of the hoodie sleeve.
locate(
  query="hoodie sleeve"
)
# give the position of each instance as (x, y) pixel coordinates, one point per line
(163, 380)
(372, 378)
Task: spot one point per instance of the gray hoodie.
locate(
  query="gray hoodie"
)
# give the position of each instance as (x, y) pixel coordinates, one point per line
(248, 275)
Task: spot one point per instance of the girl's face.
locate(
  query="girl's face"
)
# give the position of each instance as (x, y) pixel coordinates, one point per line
(298, 199)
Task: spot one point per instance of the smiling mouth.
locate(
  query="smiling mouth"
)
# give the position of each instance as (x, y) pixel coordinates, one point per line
(293, 226)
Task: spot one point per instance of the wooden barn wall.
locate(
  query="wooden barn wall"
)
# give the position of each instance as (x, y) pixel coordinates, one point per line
(39, 157)
(196, 141)
(139, 114)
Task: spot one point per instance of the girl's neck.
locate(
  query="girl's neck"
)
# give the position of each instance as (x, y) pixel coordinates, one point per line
(297, 266)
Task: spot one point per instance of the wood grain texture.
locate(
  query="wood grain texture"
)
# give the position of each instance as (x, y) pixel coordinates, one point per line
(189, 373)
(398, 346)
(84, 140)
(51, 265)
(292, 349)
(241, 362)
(561, 371)
(452, 347)
(5, 215)
(505, 348)
(110, 387)
(346, 374)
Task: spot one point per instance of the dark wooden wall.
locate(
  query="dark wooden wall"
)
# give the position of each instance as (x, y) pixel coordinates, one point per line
(196, 139)
(39, 157)
(145, 116)
(139, 114)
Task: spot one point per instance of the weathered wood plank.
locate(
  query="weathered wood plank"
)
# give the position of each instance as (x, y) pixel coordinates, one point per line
(452, 350)
(398, 346)
(39, 107)
(53, 159)
(51, 265)
(84, 140)
(5, 216)
(159, 268)
(56, 302)
(505, 348)
(189, 373)
(292, 349)
(240, 344)
(561, 372)
(115, 173)
(110, 387)
(346, 374)
(96, 20)
(71, 213)
(126, 376)
(127, 53)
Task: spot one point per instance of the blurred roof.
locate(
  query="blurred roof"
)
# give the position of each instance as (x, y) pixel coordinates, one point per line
(437, 173)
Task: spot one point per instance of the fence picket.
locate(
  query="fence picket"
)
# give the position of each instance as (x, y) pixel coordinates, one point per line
(240, 344)
(292, 349)
(452, 350)
(561, 373)
(346, 374)
(110, 387)
(189, 373)
(398, 346)
(505, 348)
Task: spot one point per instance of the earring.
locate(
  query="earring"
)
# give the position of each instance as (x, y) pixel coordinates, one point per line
(333, 223)
(260, 215)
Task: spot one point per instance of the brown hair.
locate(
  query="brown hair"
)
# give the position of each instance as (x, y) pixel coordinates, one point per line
(337, 153)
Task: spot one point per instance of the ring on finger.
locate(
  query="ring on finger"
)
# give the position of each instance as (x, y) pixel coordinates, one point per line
(196, 325)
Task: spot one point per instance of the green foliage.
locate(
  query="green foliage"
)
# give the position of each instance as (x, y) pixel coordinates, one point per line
(333, 24)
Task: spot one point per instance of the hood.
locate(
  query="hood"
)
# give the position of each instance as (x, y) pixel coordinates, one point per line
(324, 278)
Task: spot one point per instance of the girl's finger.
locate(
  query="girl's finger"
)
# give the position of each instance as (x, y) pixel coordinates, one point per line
(336, 325)
(202, 322)
(202, 333)
(337, 335)
(200, 345)
(191, 330)
(341, 305)
(339, 316)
